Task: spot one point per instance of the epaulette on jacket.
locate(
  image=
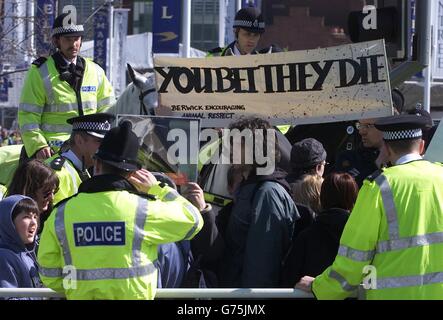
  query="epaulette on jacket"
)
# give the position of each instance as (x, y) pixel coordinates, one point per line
(64, 200)
(97, 63)
(57, 163)
(39, 62)
(265, 50)
(144, 195)
(228, 52)
(375, 174)
(216, 50)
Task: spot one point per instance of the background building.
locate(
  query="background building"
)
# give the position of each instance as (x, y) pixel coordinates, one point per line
(308, 24)
(204, 24)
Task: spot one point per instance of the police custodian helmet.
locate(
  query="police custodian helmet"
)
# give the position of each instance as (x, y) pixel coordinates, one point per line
(249, 19)
(119, 148)
(62, 27)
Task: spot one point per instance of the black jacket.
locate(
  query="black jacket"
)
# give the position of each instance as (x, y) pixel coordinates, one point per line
(258, 233)
(316, 247)
(359, 163)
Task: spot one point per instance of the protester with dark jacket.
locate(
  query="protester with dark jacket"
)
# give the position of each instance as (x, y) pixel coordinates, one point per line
(316, 247)
(18, 230)
(259, 232)
(171, 264)
(262, 220)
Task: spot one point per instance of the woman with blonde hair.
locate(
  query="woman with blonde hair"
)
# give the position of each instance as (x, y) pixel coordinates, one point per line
(307, 191)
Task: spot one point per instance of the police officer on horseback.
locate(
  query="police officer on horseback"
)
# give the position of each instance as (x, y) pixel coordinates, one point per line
(248, 27)
(59, 87)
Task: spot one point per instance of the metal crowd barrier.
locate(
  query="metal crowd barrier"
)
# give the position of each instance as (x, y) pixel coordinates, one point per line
(178, 293)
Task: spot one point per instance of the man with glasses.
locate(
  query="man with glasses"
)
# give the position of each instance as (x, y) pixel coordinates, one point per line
(371, 137)
(363, 161)
(367, 158)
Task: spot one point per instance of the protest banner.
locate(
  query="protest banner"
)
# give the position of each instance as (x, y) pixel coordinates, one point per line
(340, 83)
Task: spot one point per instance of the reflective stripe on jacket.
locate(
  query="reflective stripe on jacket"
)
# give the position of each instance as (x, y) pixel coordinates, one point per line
(47, 102)
(396, 226)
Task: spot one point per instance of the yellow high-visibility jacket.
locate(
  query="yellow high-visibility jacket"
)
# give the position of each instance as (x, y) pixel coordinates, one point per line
(396, 228)
(9, 158)
(47, 102)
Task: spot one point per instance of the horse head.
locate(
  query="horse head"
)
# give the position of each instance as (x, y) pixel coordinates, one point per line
(140, 97)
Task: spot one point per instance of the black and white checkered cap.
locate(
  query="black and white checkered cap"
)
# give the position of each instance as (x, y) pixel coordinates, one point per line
(249, 24)
(68, 30)
(402, 135)
(92, 126)
(249, 19)
(97, 124)
(401, 127)
(63, 26)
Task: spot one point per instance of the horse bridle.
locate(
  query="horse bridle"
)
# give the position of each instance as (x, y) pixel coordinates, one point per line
(143, 109)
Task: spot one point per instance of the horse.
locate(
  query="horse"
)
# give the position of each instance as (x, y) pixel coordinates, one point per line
(139, 97)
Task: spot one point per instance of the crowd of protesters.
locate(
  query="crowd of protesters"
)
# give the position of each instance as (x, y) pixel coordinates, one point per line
(9, 137)
(278, 228)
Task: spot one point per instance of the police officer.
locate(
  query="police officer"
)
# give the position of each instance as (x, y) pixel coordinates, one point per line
(366, 158)
(60, 87)
(248, 27)
(71, 165)
(398, 217)
(361, 162)
(107, 234)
